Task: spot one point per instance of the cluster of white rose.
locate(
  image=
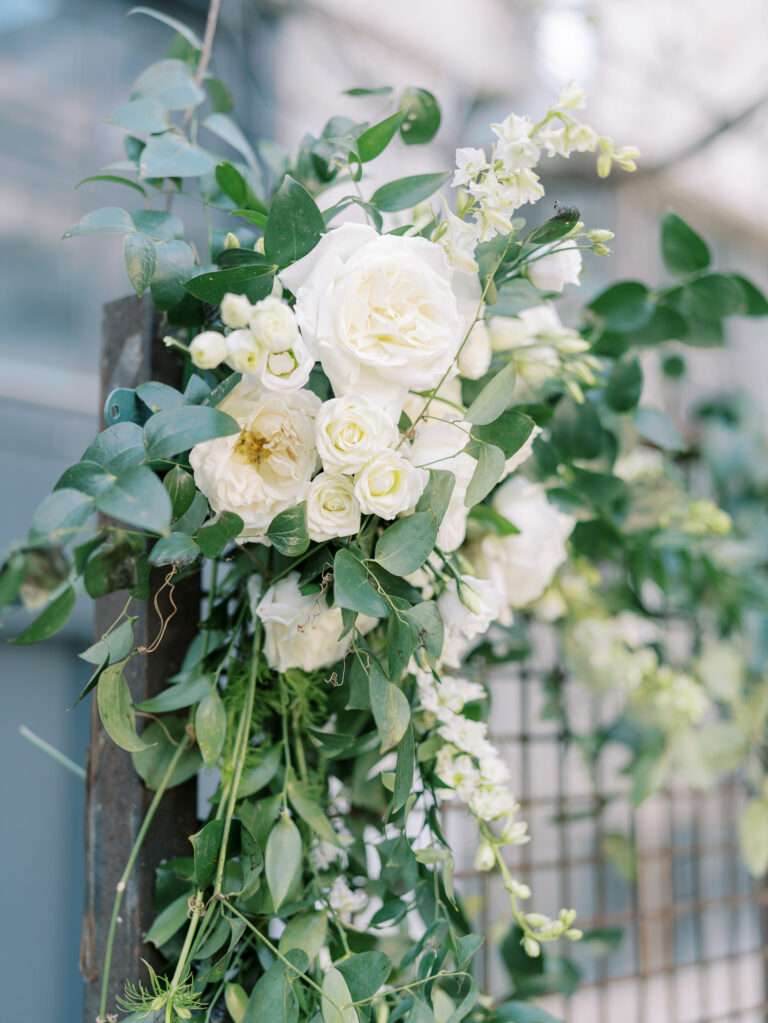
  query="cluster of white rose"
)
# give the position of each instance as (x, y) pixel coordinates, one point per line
(494, 186)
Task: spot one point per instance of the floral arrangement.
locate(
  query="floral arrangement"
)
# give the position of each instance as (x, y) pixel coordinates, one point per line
(386, 446)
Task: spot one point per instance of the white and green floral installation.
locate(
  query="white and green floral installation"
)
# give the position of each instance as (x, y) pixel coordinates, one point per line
(388, 459)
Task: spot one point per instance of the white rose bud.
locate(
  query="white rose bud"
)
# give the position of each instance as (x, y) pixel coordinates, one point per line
(244, 353)
(235, 310)
(389, 485)
(485, 858)
(350, 431)
(553, 272)
(475, 356)
(332, 508)
(274, 325)
(208, 349)
(288, 370)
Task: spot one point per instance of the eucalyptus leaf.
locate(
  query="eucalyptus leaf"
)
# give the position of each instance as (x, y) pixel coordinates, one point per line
(288, 531)
(336, 1002)
(113, 699)
(206, 844)
(491, 462)
(420, 113)
(138, 498)
(140, 260)
(391, 710)
(352, 587)
(495, 397)
(282, 859)
(170, 432)
(375, 139)
(405, 545)
(213, 537)
(172, 156)
(50, 621)
(107, 220)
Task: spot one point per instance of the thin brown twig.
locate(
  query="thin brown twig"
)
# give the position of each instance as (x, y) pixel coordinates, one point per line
(165, 620)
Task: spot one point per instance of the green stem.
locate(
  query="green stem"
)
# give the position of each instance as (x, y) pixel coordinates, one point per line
(125, 876)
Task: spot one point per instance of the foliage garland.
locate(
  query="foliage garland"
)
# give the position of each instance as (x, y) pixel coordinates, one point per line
(416, 360)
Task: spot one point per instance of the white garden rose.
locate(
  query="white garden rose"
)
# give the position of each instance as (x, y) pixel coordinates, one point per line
(235, 310)
(554, 271)
(265, 468)
(389, 485)
(522, 565)
(332, 508)
(208, 350)
(350, 431)
(300, 631)
(274, 324)
(475, 357)
(382, 313)
(439, 443)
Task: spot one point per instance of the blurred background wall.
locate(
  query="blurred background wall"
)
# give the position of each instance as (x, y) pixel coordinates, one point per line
(685, 81)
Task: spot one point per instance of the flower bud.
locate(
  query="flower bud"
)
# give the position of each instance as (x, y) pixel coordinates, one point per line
(532, 948)
(235, 310)
(208, 349)
(231, 241)
(485, 857)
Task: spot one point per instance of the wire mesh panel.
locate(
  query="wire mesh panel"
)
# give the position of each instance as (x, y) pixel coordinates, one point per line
(672, 919)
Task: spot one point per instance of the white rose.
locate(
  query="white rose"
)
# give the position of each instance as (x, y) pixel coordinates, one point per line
(300, 631)
(244, 353)
(467, 612)
(350, 431)
(267, 467)
(389, 485)
(332, 508)
(553, 272)
(475, 356)
(383, 314)
(208, 349)
(286, 370)
(439, 444)
(274, 324)
(521, 566)
(235, 310)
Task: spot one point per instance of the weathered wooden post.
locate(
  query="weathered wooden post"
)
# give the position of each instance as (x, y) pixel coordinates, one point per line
(116, 798)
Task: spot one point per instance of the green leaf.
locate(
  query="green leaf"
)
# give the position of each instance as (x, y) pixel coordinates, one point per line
(174, 697)
(60, 515)
(336, 1002)
(621, 853)
(273, 998)
(375, 139)
(406, 753)
(288, 531)
(256, 776)
(171, 82)
(712, 297)
(295, 223)
(152, 763)
(114, 179)
(140, 260)
(306, 932)
(170, 432)
(48, 623)
(178, 26)
(114, 646)
(576, 430)
(420, 112)
(683, 251)
(181, 489)
(491, 463)
(174, 265)
(211, 726)
(753, 836)
(214, 537)
(495, 397)
(117, 448)
(352, 587)
(235, 185)
(11, 578)
(310, 811)
(509, 432)
(555, 228)
(427, 623)
(255, 282)
(405, 193)
(107, 220)
(407, 543)
(138, 498)
(206, 844)
(141, 116)
(755, 301)
(655, 426)
(282, 859)
(169, 921)
(391, 710)
(665, 324)
(365, 973)
(383, 90)
(111, 568)
(437, 494)
(236, 1001)
(113, 698)
(226, 129)
(158, 224)
(625, 385)
(171, 156)
(624, 306)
